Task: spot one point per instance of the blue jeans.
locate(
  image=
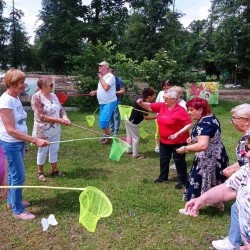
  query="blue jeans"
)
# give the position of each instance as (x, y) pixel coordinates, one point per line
(234, 235)
(115, 120)
(14, 153)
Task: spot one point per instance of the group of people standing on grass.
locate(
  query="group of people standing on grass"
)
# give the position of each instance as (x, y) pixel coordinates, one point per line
(48, 118)
(49, 115)
(207, 182)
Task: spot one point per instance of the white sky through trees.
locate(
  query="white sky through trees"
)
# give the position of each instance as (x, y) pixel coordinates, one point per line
(193, 10)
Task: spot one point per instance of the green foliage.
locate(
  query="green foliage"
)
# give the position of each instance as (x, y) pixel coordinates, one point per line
(231, 38)
(85, 68)
(14, 41)
(158, 69)
(60, 33)
(132, 36)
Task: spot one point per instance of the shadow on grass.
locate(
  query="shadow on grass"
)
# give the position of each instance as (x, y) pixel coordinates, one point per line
(150, 154)
(211, 211)
(62, 202)
(88, 174)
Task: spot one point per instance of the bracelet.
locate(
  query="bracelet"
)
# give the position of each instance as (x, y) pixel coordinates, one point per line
(185, 149)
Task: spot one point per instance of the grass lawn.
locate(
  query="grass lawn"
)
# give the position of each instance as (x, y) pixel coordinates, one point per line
(145, 214)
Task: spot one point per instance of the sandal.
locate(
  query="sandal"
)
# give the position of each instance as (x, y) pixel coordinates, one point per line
(138, 157)
(56, 173)
(41, 177)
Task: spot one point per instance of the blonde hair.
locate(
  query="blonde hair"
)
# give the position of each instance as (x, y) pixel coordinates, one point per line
(242, 110)
(13, 77)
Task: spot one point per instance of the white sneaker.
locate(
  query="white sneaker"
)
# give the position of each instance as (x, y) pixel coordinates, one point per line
(173, 167)
(182, 211)
(224, 244)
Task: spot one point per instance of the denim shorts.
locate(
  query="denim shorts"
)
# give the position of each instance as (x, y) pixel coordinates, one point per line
(106, 111)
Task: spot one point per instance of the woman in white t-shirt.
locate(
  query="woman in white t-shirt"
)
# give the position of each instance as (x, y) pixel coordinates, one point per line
(13, 135)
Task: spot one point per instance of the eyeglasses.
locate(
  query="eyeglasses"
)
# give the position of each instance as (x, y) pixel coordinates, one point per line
(233, 118)
(166, 98)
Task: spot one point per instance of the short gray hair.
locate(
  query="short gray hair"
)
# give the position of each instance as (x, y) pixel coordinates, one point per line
(242, 110)
(172, 93)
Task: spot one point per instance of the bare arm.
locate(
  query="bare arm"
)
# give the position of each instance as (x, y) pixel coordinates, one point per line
(92, 93)
(214, 195)
(9, 124)
(201, 145)
(183, 130)
(231, 169)
(145, 105)
(121, 91)
(103, 83)
(149, 117)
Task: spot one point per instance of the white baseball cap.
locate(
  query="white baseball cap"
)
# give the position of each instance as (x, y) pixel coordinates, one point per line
(104, 64)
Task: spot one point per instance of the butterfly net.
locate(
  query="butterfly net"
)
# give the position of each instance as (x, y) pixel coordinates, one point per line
(94, 204)
(90, 120)
(62, 97)
(125, 111)
(118, 148)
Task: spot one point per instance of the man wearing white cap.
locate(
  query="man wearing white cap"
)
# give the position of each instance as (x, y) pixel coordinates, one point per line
(106, 95)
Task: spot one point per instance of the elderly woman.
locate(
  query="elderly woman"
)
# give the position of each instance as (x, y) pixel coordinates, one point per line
(241, 121)
(210, 158)
(13, 134)
(237, 186)
(180, 91)
(174, 124)
(166, 85)
(48, 118)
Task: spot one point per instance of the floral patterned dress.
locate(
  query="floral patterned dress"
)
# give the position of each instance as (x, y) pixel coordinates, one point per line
(43, 107)
(206, 171)
(240, 150)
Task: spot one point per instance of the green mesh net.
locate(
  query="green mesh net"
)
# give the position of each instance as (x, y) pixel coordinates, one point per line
(118, 148)
(143, 133)
(90, 120)
(94, 204)
(125, 111)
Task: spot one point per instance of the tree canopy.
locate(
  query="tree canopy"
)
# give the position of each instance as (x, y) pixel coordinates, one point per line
(146, 35)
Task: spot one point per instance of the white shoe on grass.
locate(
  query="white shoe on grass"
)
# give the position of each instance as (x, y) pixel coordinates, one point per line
(224, 244)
